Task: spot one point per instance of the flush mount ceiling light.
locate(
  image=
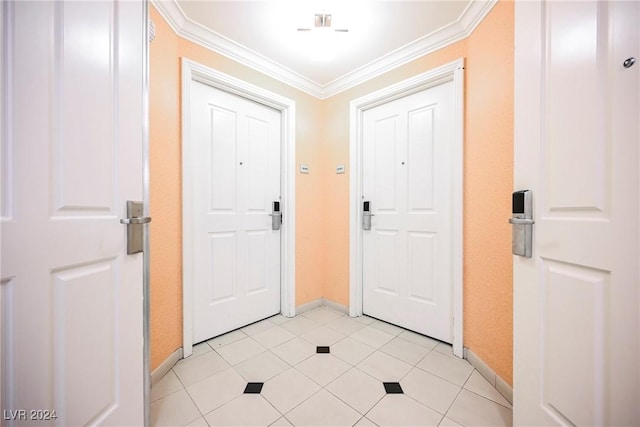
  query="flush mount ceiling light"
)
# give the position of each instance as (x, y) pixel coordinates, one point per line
(323, 43)
(323, 20)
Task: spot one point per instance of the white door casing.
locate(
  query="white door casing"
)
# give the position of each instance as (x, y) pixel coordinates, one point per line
(449, 73)
(194, 72)
(576, 301)
(72, 154)
(406, 169)
(236, 157)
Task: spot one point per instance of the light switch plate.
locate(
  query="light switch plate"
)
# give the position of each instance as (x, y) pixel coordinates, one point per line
(304, 168)
(340, 169)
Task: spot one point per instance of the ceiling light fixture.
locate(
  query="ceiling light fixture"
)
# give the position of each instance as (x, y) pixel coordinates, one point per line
(322, 42)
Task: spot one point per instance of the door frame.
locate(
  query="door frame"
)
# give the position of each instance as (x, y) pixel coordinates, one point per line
(451, 72)
(195, 72)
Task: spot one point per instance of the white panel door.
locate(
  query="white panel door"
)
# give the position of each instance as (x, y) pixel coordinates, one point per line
(407, 165)
(72, 299)
(236, 165)
(576, 313)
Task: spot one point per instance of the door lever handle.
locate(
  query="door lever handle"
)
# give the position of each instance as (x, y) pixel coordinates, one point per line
(135, 230)
(521, 221)
(143, 220)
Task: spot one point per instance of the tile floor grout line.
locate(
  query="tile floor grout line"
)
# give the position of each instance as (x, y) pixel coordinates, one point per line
(349, 366)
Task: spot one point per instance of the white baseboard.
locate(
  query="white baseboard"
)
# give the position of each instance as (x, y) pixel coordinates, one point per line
(320, 302)
(166, 366)
(494, 379)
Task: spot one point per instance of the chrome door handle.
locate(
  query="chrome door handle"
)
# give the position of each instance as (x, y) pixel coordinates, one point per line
(521, 221)
(134, 222)
(143, 220)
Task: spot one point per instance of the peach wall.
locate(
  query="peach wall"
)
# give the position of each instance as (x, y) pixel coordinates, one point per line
(166, 194)
(488, 183)
(322, 132)
(164, 168)
(488, 265)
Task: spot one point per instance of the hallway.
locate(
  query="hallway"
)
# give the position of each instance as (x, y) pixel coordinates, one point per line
(345, 387)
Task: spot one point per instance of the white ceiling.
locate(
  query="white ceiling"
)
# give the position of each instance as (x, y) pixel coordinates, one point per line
(382, 34)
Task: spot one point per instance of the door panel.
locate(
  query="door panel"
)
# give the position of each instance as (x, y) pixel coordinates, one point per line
(237, 273)
(576, 301)
(407, 260)
(72, 300)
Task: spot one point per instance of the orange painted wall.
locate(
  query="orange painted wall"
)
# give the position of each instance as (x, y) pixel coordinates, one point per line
(166, 171)
(488, 263)
(322, 132)
(488, 183)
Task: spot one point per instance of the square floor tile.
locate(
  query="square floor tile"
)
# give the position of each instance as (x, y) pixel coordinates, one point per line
(393, 388)
(323, 409)
(167, 385)
(253, 388)
(256, 328)
(240, 351)
(447, 422)
(387, 327)
(279, 319)
(419, 339)
(323, 336)
(294, 351)
(200, 349)
(384, 367)
(282, 422)
(323, 368)
(444, 348)
(261, 367)
(200, 422)
(372, 337)
(401, 410)
(479, 385)
(226, 339)
(450, 368)
(365, 320)
(430, 390)
(174, 410)
(470, 409)
(345, 325)
(351, 351)
(244, 410)
(288, 390)
(300, 325)
(322, 315)
(217, 390)
(273, 336)
(197, 368)
(365, 422)
(405, 350)
(357, 389)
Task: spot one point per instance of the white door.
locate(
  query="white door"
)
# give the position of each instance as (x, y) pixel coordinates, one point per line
(407, 167)
(72, 299)
(236, 165)
(576, 301)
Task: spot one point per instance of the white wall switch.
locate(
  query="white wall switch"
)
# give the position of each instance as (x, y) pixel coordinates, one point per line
(304, 168)
(340, 169)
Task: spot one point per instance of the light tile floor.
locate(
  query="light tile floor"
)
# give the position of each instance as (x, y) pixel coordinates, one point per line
(343, 388)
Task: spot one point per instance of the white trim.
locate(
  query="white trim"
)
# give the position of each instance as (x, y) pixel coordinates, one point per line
(453, 71)
(196, 33)
(490, 375)
(166, 366)
(192, 71)
(321, 302)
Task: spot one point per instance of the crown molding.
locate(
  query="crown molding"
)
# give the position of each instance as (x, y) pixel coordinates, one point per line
(196, 33)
